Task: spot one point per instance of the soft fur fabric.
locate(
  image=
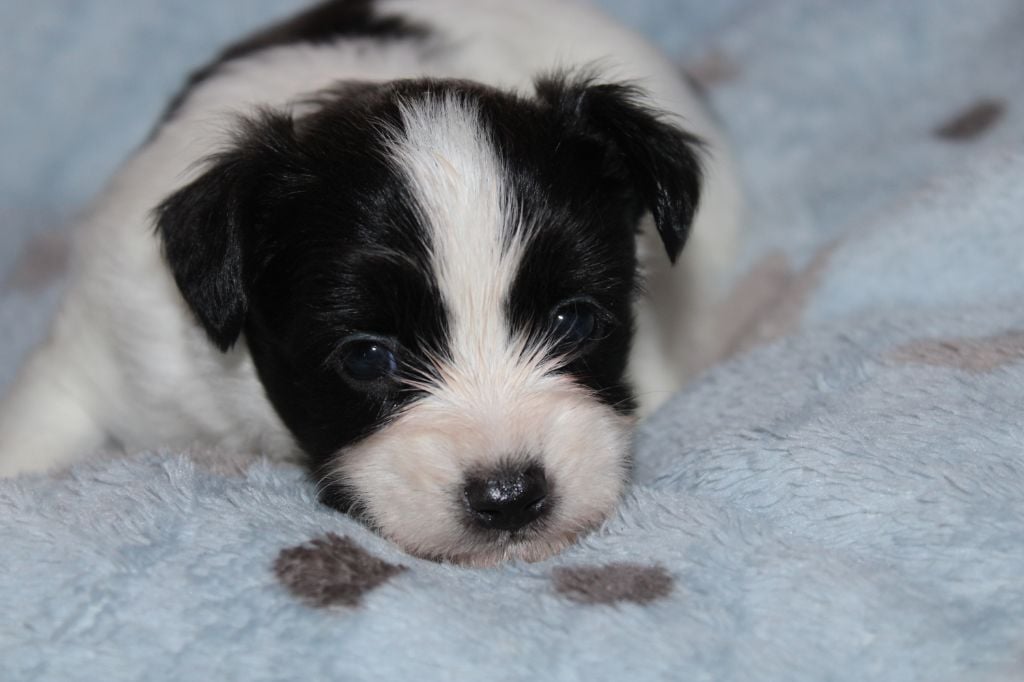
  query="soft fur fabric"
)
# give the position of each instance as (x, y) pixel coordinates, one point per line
(841, 499)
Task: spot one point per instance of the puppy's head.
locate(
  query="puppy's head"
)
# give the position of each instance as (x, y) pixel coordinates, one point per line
(435, 281)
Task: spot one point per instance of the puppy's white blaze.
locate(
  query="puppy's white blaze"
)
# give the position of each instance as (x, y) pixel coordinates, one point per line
(496, 399)
(458, 183)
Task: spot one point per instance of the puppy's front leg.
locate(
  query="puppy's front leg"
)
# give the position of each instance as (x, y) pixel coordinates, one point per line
(45, 420)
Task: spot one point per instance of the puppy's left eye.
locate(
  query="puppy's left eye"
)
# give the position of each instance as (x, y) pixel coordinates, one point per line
(367, 360)
(574, 324)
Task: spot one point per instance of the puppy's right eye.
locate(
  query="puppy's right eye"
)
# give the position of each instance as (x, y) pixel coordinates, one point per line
(367, 361)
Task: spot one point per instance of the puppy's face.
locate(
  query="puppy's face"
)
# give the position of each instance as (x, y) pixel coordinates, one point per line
(435, 281)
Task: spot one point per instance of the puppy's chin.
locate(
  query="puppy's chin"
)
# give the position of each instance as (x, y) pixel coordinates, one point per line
(531, 550)
(530, 547)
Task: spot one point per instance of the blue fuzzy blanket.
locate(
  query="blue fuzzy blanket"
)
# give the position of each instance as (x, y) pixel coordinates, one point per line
(841, 498)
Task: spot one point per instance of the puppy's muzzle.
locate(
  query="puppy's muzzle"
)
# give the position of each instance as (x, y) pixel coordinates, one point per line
(508, 499)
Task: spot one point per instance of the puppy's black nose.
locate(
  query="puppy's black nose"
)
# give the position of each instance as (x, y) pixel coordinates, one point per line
(509, 500)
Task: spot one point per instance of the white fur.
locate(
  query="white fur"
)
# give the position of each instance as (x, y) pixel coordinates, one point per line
(459, 184)
(126, 364)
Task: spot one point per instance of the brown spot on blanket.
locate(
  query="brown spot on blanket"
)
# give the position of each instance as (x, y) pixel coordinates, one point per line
(976, 355)
(43, 260)
(972, 122)
(332, 571)
(613, 583)
(714, 68)
(768, 302)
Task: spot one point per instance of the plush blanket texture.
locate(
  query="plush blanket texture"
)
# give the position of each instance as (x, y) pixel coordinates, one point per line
(841, 498)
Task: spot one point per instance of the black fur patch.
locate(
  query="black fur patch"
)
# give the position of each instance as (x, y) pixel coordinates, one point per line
(599, 159)
(323, 23)
(302, 235)
(661, 162)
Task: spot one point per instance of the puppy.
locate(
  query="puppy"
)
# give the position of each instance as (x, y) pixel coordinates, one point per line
(427, 244)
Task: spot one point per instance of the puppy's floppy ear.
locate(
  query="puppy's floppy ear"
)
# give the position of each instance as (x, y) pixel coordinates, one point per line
(208, 227)
(661, 161)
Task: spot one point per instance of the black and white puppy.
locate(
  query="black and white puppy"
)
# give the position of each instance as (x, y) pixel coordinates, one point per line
(426, 243)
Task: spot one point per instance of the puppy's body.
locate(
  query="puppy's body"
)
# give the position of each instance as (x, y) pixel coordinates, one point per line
(128, 363)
